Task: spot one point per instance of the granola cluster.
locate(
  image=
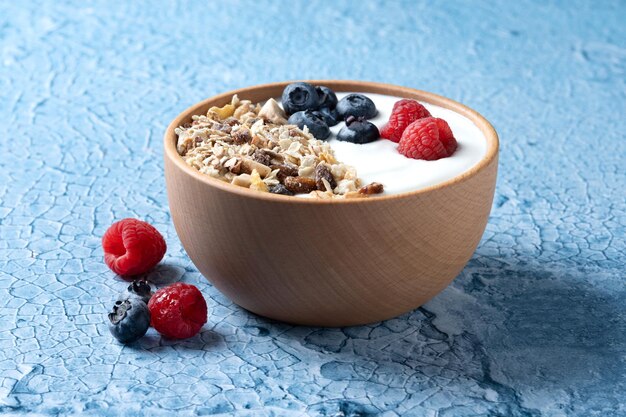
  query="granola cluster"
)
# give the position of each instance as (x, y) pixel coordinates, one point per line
(252, 146)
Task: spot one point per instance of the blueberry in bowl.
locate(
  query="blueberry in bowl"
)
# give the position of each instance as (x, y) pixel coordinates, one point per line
(300, 96)
(358, 130)
(313, 121)
(327, 97)
(329, 116)
(357, 105)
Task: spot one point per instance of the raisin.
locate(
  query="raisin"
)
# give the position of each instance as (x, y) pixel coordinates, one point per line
(186, 125)
(285, 171)
(323, 173)
(300, 185)
(242, 136)
(261, 157)
(221, 127)
(231, 121)
(234, 165)
(373, 188)
(280, 189)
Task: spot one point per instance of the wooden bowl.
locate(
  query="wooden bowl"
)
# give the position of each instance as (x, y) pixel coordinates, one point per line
(330, 263)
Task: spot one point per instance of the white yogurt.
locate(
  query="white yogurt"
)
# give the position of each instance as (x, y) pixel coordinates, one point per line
(380, 161)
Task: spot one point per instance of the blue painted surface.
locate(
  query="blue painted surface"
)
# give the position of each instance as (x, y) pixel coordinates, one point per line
(534, 326)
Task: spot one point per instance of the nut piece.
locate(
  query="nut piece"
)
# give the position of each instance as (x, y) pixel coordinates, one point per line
(373, 188)
(242, 180)
(324, 179)
(300, 185)
(223, 112)
(248, 165)
(285, 171)
(272, 112)
(256, 183)
(242, 135)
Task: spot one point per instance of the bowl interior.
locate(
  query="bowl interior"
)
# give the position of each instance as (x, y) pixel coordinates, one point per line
(262, 92)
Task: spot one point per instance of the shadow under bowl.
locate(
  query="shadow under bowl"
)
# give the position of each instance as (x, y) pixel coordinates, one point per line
(330, 262)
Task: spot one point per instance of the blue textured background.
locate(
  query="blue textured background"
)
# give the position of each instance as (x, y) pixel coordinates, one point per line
(534, 326)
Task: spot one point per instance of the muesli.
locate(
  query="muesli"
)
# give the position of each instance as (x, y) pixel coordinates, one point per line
(253, 146)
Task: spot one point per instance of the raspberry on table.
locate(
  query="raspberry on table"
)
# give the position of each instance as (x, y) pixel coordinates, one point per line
(404, 113)
(132, 247)
(178, 311)
(429, 138)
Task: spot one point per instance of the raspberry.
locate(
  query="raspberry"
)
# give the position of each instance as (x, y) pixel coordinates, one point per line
(178, 311)
(132, 247)
(429, 138)
(403, 114)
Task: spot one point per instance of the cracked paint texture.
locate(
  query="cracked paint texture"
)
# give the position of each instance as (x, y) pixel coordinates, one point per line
(534, 326)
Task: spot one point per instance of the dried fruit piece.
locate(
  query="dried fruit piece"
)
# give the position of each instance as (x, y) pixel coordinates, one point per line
(241, 136)
(373, 188)
(285, 171)
(300, 185)
(233, 165)
(231, 121)
(262, 157)
(222, 127)
(324, 179)
(280, 189)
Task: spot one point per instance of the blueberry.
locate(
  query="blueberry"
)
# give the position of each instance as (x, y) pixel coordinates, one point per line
(139, 289)
(316, 124)
(329, 116)
(300, 96)
(356, 105)
(129, 320)
(358, 130)
(328, 98)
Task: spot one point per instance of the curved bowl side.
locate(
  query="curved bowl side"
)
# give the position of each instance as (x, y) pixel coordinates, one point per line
(334, 264)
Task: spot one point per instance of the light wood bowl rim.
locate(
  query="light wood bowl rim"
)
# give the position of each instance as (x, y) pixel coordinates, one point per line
(483, 125)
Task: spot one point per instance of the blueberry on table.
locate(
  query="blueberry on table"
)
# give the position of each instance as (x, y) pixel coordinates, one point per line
(356, 105)
(315, 123)
(329, 116)
(327, 97)
(139, 289)
(298, 97)
(358, 130)
(129, 320)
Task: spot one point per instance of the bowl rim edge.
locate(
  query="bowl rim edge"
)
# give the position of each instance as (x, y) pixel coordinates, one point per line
(490, 134)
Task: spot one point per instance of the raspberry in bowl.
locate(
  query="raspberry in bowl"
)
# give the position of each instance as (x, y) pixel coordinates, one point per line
(380, 233)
